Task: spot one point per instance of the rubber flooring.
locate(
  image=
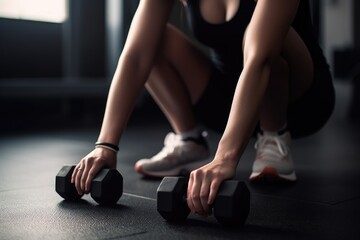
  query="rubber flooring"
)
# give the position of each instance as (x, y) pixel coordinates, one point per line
(323, 204)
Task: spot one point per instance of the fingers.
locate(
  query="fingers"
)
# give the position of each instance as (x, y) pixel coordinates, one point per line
(189, 194)
(73, 176)
(204, 195)
(84, 176)
(90, 175)
(214, 187)
(204, 184)
(78, 174)
(193, 198)
(89, 166)
(198, 192)
(84, 173)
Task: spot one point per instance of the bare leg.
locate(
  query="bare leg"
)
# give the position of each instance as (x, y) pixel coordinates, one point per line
(290, 77)
(273, 109)
(291, 74)
(178, 79)
(170, 93)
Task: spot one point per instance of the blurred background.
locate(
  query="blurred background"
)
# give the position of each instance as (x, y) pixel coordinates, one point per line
(57, 59)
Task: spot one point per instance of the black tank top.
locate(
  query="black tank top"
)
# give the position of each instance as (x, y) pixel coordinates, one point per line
(225, 39)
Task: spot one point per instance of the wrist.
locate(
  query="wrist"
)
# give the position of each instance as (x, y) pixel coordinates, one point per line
(227, 157)
(230, 149)
(106, 145)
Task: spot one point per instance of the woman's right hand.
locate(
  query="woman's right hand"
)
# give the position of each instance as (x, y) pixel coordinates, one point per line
(89, 166)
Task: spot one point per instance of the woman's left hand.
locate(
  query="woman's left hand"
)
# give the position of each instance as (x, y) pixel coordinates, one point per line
(204, 184)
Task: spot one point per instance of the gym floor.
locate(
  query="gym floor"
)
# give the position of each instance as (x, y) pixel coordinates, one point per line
(323, 204)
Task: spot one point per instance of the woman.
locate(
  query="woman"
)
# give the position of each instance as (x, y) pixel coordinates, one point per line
(266, 72)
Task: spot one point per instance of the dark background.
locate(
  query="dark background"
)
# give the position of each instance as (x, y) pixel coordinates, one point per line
(56, 75)
(54, 80)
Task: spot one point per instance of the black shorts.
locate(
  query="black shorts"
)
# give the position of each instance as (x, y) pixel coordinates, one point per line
(305, 116)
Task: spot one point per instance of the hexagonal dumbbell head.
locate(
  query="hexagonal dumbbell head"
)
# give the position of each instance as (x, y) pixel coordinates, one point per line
(232, 203)
(63, 184)
(107, 187)
(171, 203)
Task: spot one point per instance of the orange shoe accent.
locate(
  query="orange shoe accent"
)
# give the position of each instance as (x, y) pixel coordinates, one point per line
(269, 174)
(139, 170)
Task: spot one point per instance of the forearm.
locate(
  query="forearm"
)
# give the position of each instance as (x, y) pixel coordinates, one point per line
(244, 112)
(125, 88)
(262, 45)
(134, 66)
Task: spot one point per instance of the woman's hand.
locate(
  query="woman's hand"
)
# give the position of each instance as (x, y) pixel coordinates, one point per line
(89, 166)
(204, 184)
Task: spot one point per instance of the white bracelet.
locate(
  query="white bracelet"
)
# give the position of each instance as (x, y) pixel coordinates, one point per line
(103, 146)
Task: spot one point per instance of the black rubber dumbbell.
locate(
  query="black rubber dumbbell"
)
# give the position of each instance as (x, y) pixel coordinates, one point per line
(231, 205)
(106, 187)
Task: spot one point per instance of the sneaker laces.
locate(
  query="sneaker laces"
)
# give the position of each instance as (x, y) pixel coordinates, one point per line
(271, 145)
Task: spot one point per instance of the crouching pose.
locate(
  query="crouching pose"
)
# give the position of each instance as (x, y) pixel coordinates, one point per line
(265, 74)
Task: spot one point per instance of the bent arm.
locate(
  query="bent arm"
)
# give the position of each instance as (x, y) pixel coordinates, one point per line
(263, 43)
(134, 66)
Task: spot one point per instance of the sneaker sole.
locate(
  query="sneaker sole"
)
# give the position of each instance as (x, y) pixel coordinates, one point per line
(173, 172)
(269, 174)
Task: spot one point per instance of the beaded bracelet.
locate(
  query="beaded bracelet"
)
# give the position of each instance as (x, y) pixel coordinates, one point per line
(106, 145)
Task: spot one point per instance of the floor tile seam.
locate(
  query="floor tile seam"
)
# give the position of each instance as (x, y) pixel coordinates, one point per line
(139, 196)
(339, 203)
(23, 188)
(45, 186)
(127, 235)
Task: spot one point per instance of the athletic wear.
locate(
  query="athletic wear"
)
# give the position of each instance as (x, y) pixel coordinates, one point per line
(305, 117)
(223, 39)
(273, 158)
(194, 133)
(176, 157)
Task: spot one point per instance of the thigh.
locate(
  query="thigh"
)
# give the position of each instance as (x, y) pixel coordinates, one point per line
(190, 63)
(300, 62)
(310, 112)
(298, 58)
(312, 95)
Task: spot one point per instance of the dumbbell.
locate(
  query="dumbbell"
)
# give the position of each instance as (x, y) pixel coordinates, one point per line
(231, 206)
(106, 188)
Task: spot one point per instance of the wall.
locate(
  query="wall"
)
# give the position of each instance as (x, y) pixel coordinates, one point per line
(30, 49)
(338, 29)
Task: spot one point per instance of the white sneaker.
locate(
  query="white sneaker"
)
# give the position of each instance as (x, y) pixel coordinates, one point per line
(273, 160)
(177, 156)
